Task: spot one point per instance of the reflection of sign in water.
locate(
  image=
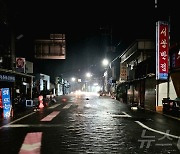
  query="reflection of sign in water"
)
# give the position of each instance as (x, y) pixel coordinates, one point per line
(6, 102)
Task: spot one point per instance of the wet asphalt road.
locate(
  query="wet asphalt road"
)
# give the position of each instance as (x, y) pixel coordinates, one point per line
(87, 123)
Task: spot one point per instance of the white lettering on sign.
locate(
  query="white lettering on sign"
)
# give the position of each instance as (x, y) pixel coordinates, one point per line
(164, 31)
(163, 66)
(6, 92)
(163, 55)
(163, 43)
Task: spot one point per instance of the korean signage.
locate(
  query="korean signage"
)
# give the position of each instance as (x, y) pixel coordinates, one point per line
(8, 78)
(123, 71)
(162, 48)
(6, 102)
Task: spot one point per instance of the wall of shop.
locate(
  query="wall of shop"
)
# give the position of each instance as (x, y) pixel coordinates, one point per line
(161, 93)
(150, 94)
(175, 85)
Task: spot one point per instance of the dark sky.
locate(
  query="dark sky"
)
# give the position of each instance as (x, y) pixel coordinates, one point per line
(85, 23)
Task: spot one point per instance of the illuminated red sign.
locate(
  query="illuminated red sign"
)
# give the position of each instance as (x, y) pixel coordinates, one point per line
(162, 40)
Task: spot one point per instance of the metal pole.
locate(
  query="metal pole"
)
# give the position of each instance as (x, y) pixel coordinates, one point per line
(12, 49)
(168, 85)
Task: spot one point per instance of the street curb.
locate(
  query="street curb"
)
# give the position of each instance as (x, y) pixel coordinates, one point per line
(169, 116)
(176, 118)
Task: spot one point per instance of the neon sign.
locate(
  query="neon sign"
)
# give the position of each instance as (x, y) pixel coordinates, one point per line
(162, 48)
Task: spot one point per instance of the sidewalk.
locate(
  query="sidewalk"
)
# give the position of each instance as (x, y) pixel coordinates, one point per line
(169, 115)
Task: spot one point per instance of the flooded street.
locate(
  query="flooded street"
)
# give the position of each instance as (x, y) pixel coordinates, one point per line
(87, 123)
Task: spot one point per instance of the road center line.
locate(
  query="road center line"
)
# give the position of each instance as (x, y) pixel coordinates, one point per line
(67, 106)
(156, 131)
(54, 106)
(124, 115)
(35, 125)
(51, 116)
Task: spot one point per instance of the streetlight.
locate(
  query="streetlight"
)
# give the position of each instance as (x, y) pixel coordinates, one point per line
(73, 79)
(87, 82)
(88, 74)
(105, 62)
(73, 86)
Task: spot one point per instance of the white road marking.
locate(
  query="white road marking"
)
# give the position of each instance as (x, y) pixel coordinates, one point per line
(88, 105)
(30, 147)
(32, 143)
(54, 106)
(156, 131)
(82, 115)
(51, 116)
(124, 115)
(67, 106)
(17, 120)
(35, 125)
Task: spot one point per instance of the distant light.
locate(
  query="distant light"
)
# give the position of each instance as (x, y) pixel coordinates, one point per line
(78, 92)
(73, 79)
(95, 84)
(155, 3)
(64, 99)
(105, 62)
(134, 108)
(88, 75)
(79, 80)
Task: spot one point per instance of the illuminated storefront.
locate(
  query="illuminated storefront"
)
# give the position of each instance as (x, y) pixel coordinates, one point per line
(14, 84)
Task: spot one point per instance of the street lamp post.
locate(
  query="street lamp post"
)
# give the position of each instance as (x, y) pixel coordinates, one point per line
(88, 75)
(73, 79)
(105, 63)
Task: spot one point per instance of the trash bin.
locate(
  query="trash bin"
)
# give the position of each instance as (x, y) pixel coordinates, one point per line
(166, 105)
(171, 107)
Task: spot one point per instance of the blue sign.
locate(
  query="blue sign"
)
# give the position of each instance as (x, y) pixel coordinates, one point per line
(6, 102)
(163, 76)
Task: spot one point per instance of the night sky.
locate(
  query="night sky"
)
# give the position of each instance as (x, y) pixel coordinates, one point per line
(85, 24)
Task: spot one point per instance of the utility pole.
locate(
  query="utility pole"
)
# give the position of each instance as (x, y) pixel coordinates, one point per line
(12, 48)
(10, 19)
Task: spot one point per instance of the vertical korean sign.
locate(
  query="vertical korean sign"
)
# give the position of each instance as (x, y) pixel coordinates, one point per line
(6, 102)
(162, 48)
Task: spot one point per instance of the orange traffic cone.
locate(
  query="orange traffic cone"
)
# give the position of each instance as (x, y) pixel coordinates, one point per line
(41, 105)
